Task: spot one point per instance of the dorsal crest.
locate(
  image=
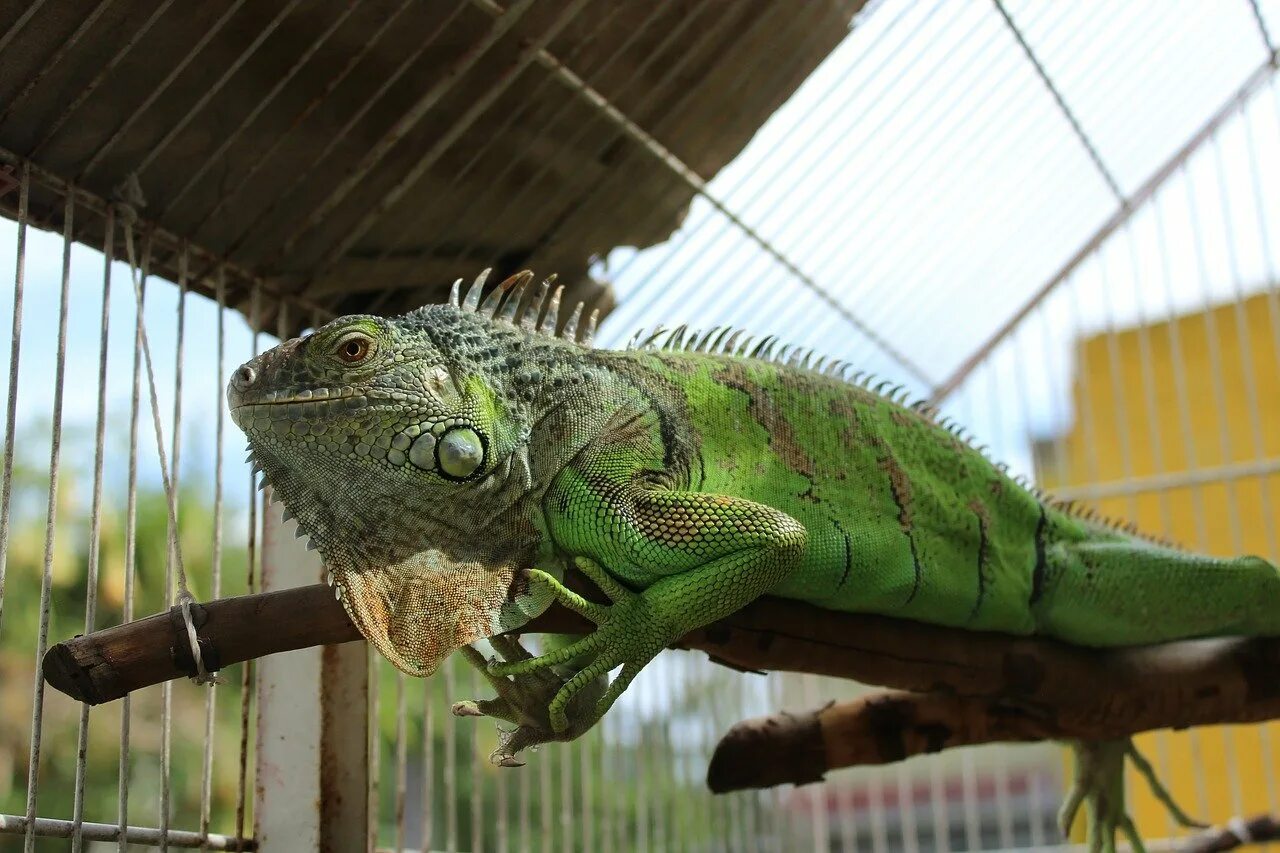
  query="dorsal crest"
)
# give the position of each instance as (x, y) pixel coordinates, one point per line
(514, 303)
(725, 341)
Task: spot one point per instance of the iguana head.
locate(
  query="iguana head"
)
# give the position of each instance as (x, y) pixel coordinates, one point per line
(402, 448)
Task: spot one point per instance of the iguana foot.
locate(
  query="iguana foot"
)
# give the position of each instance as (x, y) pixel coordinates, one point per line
(524, 703)
(629, 633)
(1099, 785)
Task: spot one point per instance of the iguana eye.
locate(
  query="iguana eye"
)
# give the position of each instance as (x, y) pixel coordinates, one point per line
(354, 349)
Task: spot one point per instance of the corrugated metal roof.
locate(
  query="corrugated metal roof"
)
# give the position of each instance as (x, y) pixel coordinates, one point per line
(362, 155)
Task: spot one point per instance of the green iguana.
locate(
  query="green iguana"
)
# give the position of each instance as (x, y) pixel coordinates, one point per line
(451, 462)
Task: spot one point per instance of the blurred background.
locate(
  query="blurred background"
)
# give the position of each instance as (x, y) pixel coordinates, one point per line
(1058, 221)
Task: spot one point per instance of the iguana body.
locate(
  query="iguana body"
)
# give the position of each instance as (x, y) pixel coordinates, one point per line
(450, 462)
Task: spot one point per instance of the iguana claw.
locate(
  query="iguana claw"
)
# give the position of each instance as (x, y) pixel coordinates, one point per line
(629, 633)
(1099, 786)
(524, 702)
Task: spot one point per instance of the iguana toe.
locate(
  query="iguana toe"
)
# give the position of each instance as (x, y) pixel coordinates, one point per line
(1098, 784)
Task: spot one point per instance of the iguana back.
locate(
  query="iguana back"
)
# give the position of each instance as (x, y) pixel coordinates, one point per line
(905, 517)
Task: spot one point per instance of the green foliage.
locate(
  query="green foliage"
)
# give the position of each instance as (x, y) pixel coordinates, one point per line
(20, 627)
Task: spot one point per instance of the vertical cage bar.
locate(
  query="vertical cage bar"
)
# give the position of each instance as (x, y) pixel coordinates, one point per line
(215, 555)
(95, 517)
(171, 551)
(428, 762)
(247, 672)
(51, 518)
(131, 535)
(451, 763)
(15, 353)
(401, 757)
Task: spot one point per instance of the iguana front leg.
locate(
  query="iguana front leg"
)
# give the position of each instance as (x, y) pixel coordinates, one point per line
(697, 558)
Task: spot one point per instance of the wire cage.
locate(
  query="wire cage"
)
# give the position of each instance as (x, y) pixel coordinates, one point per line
(1058, 222)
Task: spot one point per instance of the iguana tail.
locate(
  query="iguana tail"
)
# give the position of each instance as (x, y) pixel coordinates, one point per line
(1131, 592)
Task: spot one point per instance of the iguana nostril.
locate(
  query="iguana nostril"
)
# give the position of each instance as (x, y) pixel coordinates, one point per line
(243, 378)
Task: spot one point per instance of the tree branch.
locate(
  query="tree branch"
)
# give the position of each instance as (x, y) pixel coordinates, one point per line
(1062, 688)
(1255, 830)
(885, 727)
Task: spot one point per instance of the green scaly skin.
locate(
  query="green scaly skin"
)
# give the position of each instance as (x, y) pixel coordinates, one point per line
(457, 451)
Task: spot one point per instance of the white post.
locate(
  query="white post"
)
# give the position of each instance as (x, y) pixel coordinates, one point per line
(312, 745)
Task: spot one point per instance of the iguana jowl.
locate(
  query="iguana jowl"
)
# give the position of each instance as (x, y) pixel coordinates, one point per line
(450, 462)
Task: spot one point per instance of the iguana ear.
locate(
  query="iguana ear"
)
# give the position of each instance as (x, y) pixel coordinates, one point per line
(417, 612)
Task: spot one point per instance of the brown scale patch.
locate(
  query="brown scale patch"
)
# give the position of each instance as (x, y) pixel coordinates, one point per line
(847, 416)
(984, 556)
(766, 412)
(901, 417)
(899, 484)
(900, 489)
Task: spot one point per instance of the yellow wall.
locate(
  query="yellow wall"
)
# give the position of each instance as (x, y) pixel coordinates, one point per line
(1129, 421)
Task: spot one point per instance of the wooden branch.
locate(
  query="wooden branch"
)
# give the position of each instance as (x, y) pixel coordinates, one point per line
(1128, 690)
(113, 662)
(800, 748)
(1255, 830)
(880, 728)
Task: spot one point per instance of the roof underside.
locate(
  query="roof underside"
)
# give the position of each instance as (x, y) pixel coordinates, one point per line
(360, 156)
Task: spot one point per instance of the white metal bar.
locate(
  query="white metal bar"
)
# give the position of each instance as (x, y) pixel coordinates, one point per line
(344, 748)
(43, 827)
(451, 762)
(1248, 376)
(249, 669)
(1255, 81)
(15, 353)
(131, 541)
(1063, 107)
(1273, 302)
(428, 802)
(401, 757)
(157, 235)
(95, 518)
(1263, 32)
(215, 554)
(51, 518)
(171, 552)
(477, 770)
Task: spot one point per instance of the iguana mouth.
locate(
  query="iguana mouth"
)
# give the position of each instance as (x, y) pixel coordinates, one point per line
(316, 395)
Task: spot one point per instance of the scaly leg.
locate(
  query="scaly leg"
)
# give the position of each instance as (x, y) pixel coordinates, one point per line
(699, 557)
(1099, 786)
